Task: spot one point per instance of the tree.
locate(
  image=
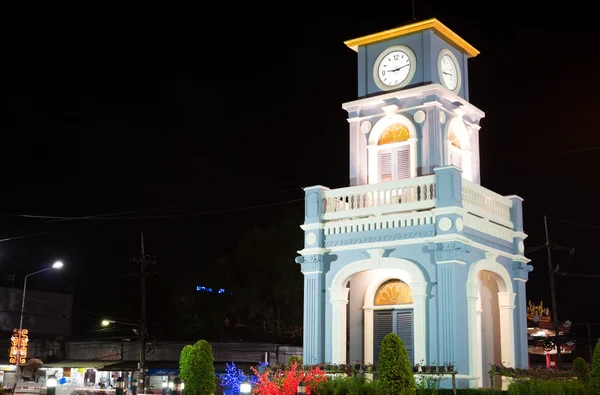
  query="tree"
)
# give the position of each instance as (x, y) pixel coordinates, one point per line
(395, 371)
(268, 295)
(581, 370)
(196, 368)
(185, 368)
(595, 380)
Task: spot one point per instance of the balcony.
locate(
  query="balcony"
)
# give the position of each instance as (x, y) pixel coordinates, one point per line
(413, 203)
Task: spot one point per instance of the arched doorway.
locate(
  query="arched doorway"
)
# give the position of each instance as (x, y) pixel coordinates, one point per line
(393, 313)
(490, 301)
(381, 270)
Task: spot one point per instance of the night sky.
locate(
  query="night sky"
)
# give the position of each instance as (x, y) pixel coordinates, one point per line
(204, 121)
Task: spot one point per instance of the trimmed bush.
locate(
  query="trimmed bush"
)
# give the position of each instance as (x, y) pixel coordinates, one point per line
(395, 372)
(197, 370)
(582, 371)
(546, 387)
(595, 379)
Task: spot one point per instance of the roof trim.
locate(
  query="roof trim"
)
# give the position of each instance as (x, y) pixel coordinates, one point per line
(432, 24)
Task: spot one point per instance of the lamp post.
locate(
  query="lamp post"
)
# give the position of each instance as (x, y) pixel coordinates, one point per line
(120, 386)
(143, 341)
(55, 265)
(245, 387)
(301, 388)
(177, 386)
(51, 383)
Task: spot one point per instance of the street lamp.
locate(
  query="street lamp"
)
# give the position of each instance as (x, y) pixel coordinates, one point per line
(143, 340)
(56, 265)
(245, 388)
(301, 388)
(51, 384)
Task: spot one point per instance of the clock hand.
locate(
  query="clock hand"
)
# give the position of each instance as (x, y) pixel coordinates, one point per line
(443, 72)
(401, 67)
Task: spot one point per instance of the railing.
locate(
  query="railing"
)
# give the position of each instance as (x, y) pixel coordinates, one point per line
(371, 206)
(377, 199)
(486, 204)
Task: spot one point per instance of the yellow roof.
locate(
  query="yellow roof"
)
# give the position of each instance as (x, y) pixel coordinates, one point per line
(432, 24)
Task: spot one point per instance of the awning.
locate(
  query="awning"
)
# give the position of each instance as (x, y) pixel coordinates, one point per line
(130, 366)
(77, 364)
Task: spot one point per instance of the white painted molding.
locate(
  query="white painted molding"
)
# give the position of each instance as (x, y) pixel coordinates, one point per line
(491, 256)
(451, 261)
(314, 251)
(520, 279)
(420, 91)
(433, 239)
(313, 226)
(376, 254)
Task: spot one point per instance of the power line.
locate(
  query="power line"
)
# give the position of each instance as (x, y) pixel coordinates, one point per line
(545, 154)
(153, 217)
(58, 218)
(575, 223)
(114, 217)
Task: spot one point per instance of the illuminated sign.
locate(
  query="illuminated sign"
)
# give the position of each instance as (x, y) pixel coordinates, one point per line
(16, 348)
(200, 288)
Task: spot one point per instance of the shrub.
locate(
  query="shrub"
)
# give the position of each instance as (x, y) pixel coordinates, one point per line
(294, 359)
(546, 387)
(595, 379)
(395, 371)
(582, 371)
(197, 370)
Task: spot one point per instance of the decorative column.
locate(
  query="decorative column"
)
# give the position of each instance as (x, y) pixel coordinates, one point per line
(432, 138)
(314, 308)
(474, 332)
(450, 258)
(312, 266)
(506, 303)
(339, 301)
(520, 276)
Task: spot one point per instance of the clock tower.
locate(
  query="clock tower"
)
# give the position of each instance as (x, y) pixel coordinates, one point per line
(415, 245)
(421, 53)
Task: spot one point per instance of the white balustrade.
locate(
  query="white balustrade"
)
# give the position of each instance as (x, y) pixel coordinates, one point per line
(377, 199)
(486, 204)
(391, 221)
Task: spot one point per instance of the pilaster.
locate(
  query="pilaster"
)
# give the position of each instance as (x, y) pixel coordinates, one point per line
(314, 308)
(450, 259)
(432, 138)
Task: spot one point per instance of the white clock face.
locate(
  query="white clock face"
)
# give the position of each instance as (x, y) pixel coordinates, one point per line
(394, 68)
(449, 72)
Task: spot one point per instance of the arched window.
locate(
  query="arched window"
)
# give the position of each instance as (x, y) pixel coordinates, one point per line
(459, 146)
(394, 153)
(392, 147)
(393, 292)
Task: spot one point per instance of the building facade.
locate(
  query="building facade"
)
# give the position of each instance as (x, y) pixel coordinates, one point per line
(415, 245)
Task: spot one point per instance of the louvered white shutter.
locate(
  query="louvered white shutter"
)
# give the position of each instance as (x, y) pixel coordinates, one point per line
(403, 162)
(385, 166)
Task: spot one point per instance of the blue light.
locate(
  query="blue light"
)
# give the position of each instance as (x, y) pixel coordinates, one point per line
(202, 288)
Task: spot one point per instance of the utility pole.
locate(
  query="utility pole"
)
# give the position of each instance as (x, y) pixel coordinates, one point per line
(551, 272)
(142, 262)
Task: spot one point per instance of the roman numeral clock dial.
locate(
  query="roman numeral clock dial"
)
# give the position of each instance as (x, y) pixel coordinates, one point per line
(394, 67)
